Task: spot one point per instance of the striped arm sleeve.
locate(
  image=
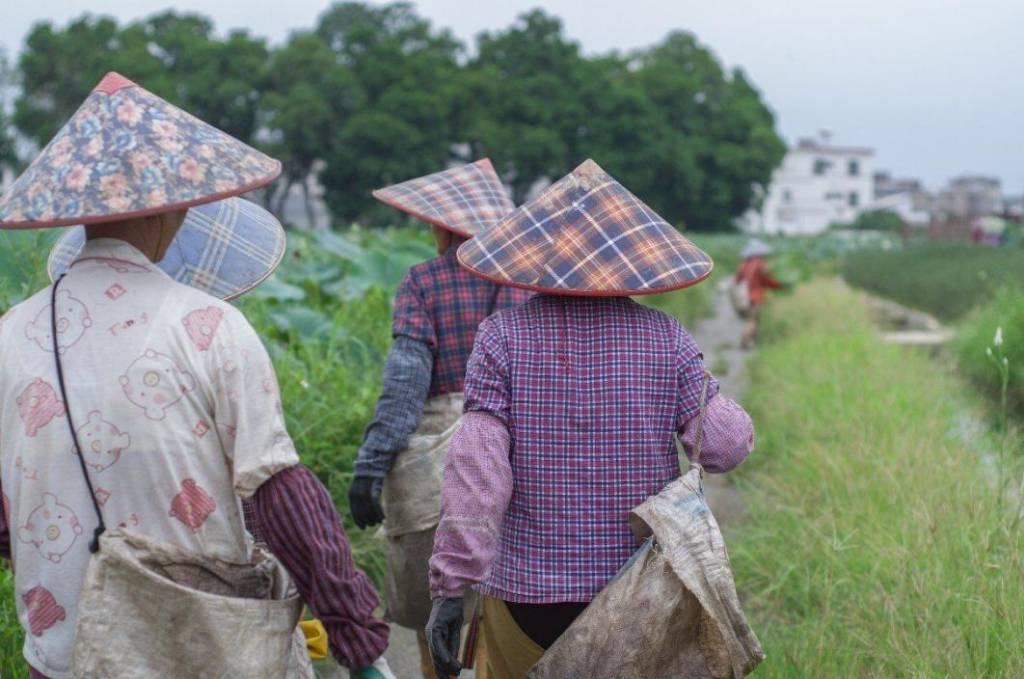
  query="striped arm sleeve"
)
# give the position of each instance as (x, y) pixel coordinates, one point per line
(297, 520)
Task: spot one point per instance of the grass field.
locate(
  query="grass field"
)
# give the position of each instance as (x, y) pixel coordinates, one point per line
(1003, 314)
(946, 280)
(876, 544)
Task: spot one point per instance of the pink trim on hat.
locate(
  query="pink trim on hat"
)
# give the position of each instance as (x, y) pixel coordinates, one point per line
(433, 221)
(112, 82)
(148, 212)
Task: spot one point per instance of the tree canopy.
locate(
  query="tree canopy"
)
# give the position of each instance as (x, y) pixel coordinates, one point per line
(375, 94)
(8, 157)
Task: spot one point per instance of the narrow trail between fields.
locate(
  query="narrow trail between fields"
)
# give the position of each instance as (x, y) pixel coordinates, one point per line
(718, 336)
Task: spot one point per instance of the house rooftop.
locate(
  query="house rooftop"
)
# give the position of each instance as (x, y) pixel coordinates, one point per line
(816, 146)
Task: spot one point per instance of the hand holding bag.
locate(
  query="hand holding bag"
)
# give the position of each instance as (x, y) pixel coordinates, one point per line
(672, 611)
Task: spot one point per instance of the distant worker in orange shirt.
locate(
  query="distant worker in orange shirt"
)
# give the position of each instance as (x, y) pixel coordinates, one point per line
(751, 280)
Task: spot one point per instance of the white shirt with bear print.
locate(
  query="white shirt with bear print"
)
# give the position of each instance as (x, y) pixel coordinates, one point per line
(178, 413)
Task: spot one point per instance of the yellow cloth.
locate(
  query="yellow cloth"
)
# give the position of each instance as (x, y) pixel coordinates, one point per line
(316, 638)
(509, 652)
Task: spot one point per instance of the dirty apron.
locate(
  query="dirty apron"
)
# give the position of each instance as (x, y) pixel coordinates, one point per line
(412, 510)
(672, 611)
(151, 609)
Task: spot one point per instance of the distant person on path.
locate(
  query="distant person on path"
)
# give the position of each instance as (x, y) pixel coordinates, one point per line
(753, 275)
(572, 404)
(437, 311)
(168, 400)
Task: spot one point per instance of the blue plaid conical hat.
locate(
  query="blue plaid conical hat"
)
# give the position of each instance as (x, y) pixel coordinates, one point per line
(464, 200)
(128, 153)
(586, 234)
(225, 248)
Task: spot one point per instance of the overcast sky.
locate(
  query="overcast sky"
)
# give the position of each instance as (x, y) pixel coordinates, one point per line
(935, 86)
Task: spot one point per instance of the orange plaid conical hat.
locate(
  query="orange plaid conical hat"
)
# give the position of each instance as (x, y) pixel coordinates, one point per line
(128, 153)
(464, 200)
(586, 234)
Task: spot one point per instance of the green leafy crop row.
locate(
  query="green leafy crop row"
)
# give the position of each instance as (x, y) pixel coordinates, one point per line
(946, 280)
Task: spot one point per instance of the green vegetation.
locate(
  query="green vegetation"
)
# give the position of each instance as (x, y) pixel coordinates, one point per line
(874, 220)
(977, 357)
(326, 319)
(946, 280)
(11, 636)
(877, 544)
(23, 263)
(374, 93)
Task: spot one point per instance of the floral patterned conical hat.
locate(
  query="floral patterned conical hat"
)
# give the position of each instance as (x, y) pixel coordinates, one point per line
(128, 153)
(586, 234)
(464, 200)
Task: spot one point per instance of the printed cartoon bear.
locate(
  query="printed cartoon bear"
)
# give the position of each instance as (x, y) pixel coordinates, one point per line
(72, 321)
(52, 528)
(102, 443)
(154, 383)
(202, 325)
(193, 505)
(38, 405)
(43, 610)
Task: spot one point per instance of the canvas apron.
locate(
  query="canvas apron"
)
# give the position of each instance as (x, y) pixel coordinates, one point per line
(672, 611)
(412, 510)
(152, 609)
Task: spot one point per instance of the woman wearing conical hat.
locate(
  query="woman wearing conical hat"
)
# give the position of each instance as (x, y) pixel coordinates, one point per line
(134, 363)
(753, 278)
(572, 402)
(437, 311)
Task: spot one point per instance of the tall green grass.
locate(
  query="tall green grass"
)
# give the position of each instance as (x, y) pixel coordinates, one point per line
(973, 344)
(946, 280)
(876, 543)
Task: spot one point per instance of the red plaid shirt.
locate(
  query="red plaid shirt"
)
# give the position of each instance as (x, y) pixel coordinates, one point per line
(441, 304)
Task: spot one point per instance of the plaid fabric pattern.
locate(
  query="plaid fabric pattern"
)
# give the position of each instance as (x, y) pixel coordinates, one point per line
(592, 391)
(441, 304)
(225, 248)
(587, 235)
(466, 199)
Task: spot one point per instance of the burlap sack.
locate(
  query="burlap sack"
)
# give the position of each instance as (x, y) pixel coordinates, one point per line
(412, 489)
(150, 609)
(412, 510)
(671, 612)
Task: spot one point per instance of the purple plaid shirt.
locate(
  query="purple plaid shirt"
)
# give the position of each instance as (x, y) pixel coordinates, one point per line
(441, 304)
(592, 391)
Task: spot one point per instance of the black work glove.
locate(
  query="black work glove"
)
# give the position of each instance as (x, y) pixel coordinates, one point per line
(443, 631)
(364, 501)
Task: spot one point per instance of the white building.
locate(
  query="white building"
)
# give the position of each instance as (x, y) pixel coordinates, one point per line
(817, 184)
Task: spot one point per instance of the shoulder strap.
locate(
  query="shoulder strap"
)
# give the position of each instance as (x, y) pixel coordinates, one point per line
(94, 545)
(695, 459)
(494, 299)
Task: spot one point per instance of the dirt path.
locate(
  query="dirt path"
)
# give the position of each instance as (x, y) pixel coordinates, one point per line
(719, 337)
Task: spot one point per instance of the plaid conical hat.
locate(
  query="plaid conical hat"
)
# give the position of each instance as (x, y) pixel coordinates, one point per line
(586, 234)
(128, 153)
(465, 200)
(225, 248)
